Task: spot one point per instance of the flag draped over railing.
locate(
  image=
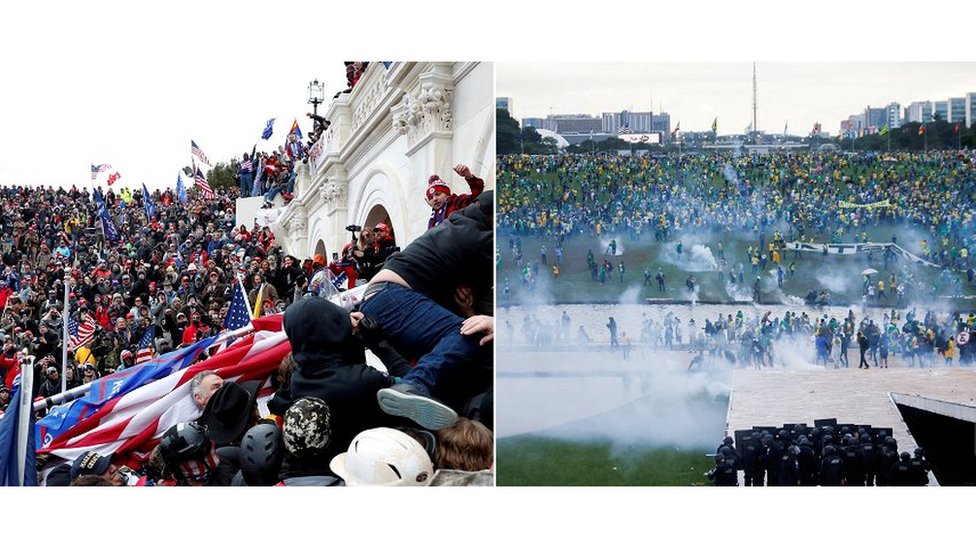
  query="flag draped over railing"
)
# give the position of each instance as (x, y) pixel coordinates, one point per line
(66, 416)
(131, 424)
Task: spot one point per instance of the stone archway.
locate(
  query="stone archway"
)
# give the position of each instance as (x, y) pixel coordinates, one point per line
(378, 214)
(320, 249)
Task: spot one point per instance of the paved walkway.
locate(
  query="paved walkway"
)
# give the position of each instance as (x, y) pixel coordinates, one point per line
(775, 397)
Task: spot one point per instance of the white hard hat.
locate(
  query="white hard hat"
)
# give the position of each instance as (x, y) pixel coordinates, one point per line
(384, 456)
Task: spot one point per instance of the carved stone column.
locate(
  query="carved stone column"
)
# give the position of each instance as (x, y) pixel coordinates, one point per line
(425, 116)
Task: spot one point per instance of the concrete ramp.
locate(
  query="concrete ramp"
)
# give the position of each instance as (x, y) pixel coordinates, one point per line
(775, 397)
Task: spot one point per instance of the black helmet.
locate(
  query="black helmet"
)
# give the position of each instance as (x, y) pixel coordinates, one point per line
(865, 438)
(919, 452)
(890, 442)
(261, 455)
(727, 441)
(829, 450)
(184, 441)
(905, 456)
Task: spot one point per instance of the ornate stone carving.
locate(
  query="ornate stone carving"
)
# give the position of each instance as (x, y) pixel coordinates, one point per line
(429, 110)
(367, 103)
(334, 192)
(297, 224)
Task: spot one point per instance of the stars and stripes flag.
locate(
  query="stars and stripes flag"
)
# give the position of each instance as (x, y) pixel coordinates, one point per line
(64, 417)
(130, 425)
(95, 170)
(623, 129)
(147, 202)
(147, 345)
(181, 189)
(80, 334)
(201, 182)
(238, 314)
(197, 152)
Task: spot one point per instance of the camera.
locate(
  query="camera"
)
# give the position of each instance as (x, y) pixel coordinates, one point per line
(354, 228)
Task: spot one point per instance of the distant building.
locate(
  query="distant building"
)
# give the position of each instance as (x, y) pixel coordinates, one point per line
(919, 112)
(940, 109)
(532, 122)
(573, 123)
(970, 109)
(894, 115)
(874, 119)
(504, 103)
(957, 110)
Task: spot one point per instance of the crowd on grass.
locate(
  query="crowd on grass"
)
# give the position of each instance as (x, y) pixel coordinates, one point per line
(799, 195)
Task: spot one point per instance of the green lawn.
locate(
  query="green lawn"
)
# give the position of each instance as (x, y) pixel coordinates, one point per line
(538, 461)
(575, 285)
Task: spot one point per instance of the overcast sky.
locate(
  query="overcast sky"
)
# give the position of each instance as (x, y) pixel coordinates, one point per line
(695, 93)
(132, 86)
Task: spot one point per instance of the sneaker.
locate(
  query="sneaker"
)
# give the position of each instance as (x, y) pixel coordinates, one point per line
(405, 400)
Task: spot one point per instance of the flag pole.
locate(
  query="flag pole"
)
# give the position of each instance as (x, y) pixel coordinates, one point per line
(24, 417)
(81, 390)
(64, 332)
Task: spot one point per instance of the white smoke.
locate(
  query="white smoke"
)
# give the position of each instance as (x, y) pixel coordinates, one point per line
(697, 258)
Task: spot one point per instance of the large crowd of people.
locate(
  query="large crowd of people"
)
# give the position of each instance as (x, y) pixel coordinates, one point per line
(167, 280)
(760, 339)
(802, 194)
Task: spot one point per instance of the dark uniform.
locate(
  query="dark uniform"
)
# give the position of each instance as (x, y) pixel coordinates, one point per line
(870, 452)
(831, 468)
(724, 473)
(751, 464)
(853, 462)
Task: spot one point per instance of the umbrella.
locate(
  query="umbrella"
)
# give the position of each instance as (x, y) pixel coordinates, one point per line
(869, 272)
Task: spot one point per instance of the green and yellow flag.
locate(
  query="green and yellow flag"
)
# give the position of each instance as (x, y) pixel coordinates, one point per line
(884, 130)
(715, 125)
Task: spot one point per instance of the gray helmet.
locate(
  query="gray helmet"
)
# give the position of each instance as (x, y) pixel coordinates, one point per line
(261, 455)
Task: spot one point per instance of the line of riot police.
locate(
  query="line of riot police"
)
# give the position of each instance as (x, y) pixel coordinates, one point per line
(818, 456)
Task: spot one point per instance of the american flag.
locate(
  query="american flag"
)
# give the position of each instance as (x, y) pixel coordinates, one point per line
(247, 165)
(202, 183)
(146, 345)
(238, 314)
(99, 169)
(80, 334)
(131, 424)
(196, 151)
(623, 129)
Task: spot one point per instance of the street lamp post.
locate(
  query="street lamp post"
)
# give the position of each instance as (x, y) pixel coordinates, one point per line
(316, 95)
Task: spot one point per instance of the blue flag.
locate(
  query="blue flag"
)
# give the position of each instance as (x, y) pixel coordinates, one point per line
(8, 445)
(147, 202)
(63, 417)
(180, 189)
(238, 314)
(268, 129)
